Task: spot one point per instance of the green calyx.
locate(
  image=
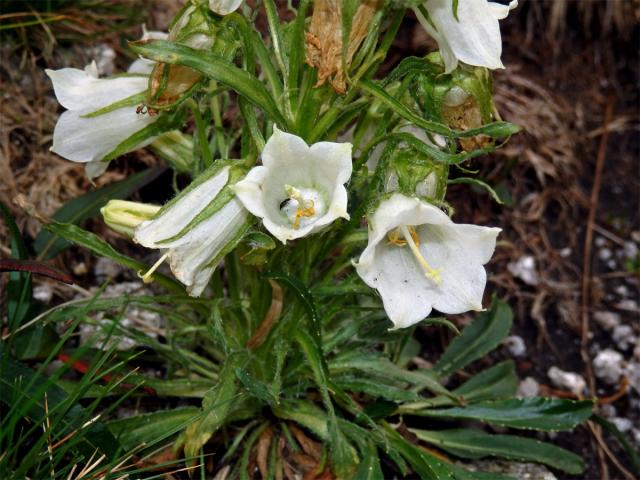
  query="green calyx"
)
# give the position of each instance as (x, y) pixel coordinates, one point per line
(413, 174)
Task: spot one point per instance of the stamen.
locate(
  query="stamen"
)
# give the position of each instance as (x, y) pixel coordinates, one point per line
(306, 208)
(148, 277)
(410, 236)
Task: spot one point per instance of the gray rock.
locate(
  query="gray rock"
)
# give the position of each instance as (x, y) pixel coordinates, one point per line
(605, 254)
(43, 293)
(623, 424)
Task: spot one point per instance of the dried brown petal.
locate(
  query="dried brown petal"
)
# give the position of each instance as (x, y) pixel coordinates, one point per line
(324, 39)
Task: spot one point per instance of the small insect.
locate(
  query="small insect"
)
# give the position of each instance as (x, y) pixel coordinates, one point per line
(142, 109)
(284, 203)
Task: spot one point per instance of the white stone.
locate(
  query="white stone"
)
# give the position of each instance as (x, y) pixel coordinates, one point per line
(607, 320)
(623, 424)
(525, 269)
(623, 336)
(622, 290)
(566, 252)
(567, 380)
(630, 250)
(608, 366)
(515, 345)
(43, 293)
(608, 410)
(528, 387)
(632, 372)
(604, 254)
(107, 268)
(628, 304)
(600, 242)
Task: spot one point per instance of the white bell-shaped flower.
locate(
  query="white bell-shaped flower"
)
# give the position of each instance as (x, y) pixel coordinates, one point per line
(224, 7)
(299, 189)
(196, 229)
(82, 137)
(473, 38)
(418, 259)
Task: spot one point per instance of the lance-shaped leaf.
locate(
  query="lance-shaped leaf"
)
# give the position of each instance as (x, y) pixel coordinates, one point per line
(474, 444)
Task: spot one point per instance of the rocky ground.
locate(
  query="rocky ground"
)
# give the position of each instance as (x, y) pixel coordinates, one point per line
(571, 83)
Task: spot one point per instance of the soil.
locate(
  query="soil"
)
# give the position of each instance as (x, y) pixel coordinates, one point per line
(561, 75)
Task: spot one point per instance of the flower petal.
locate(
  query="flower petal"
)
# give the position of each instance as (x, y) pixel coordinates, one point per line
(79, 90)
(91, 139)
(174, 217)
(474, 38)
(224, 7)
(457, 252)
(194, 257)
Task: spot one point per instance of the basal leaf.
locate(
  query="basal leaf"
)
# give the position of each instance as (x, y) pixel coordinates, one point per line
(151, 428)
(483, 335)
(475, 444)
(536, 413)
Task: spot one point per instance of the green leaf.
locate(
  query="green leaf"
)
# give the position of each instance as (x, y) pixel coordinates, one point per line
(151, 428)
(216, 68)
(48, 245)
(376, 388)
(369, 468)
(536, 413)
(424, 464)
(633, 453)
(255, 387)
(477, 183)
(475, 444)
(19, 288)
(343, 454)
(497, 382)
(216, 406)
(378, 366)
(26, 390)
(95, 244)
(483, 335)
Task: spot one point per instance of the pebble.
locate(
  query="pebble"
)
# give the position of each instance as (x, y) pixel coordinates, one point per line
(632, 372)
(567, 380)
(525, 269)
(528, 387)
(635, 433)
(566, 252)
(607, 320)
(515, 345)
(630, 250)
(623, 336)
(623, 424)
(605, 254)
(608, 410)
(612, 265)
(608, 366)
(627, 304)
(43, 293)
(106, 268)
(104, 57)
(622, 291)
(600, 242)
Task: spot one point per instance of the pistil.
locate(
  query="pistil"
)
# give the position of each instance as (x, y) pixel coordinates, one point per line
(148, 277)
(411, 238)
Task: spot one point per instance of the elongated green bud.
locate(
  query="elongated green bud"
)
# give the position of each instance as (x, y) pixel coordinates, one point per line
(123, 216)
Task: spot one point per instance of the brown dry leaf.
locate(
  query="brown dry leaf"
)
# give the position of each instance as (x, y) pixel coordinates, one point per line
(270, 319)
(262, 451)
(324, 39)
(179, 79)
(310, 447)
(465, 117)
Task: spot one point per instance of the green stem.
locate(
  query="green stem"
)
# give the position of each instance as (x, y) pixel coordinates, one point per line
(201, 132)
